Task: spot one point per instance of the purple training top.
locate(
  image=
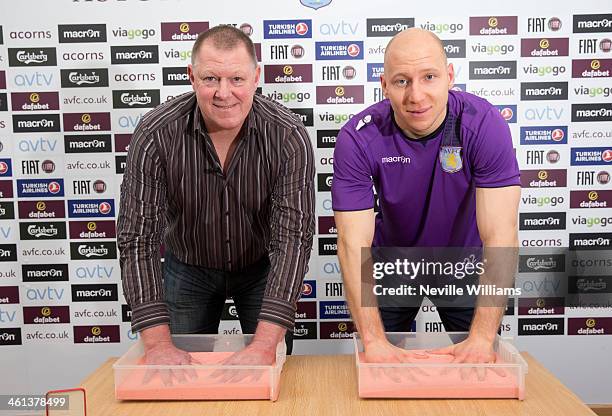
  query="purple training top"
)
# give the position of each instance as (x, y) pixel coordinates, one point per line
(426, 187)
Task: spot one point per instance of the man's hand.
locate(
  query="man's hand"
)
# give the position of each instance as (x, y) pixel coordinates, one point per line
(165, 353)
(473, 349)
(261, 351)
(159, 350)
(256, 353)
(382, 351)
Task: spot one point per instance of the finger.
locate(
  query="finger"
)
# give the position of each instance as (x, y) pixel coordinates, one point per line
(416, 358)
(481, 373)
(222, 375)
(418, 355)
(257, 374)
(450, 350)
(194, 361)
(216, 374)
(447, 370)
(166, 377)
(238, 376)
(228, 376)
(249, 376)
(465, 372)
(179, 375)
(225, 376)
(191, 373)
(392, 374)
(419, 371)
(499, 371)
(148, 376)
(410, 374)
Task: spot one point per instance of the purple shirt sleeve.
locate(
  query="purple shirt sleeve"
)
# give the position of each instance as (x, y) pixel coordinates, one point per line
(352, 181)
(491, 154)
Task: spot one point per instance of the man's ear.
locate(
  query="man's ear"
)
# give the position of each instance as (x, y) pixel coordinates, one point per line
(191, 75)
(451, 76)
(257, 74)
(383, 84)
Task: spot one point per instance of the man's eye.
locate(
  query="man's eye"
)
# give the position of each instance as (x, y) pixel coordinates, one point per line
(429, 76)
(401, 82)
(209, 79)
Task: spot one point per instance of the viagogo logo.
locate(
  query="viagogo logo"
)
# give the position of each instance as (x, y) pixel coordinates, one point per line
(440, 28)
(144, 33)
(288, 97)
(335, 118)
(542, 201)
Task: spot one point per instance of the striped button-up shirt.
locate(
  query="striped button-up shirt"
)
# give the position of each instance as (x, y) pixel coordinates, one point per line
(174, 190)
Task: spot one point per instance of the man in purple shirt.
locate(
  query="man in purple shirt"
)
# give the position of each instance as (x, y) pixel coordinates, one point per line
(444, 169)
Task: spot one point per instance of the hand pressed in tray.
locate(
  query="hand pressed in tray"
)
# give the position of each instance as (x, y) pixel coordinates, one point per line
(382, 351)
(256, 354)
(159, 350)
(261, 351)
(475, 350)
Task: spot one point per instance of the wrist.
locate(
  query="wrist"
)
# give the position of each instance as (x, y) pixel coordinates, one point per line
(155, 336)
(372, 341)
(268, 334)
(263, 344)
(482, 336)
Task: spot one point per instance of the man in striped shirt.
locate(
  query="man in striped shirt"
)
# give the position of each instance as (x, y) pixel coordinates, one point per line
(224, 177)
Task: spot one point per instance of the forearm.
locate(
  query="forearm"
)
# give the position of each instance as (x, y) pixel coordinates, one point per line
(364, 310)
(486, 322)
(141, 276)
(496, 212)
(288, 263)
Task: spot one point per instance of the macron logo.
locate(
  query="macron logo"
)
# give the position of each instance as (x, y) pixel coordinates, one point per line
(396, 159)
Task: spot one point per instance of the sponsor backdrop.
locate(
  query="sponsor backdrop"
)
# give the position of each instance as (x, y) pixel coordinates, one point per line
(76, 78)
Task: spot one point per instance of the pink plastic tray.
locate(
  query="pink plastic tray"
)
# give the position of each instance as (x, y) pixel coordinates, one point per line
(436, 377)
(210, 380)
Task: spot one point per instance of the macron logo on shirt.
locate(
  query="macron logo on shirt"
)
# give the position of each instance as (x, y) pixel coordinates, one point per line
(396, 159)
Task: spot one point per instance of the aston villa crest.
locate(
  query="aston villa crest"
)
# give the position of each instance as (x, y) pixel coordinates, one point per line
(315, 4)
(450, 159)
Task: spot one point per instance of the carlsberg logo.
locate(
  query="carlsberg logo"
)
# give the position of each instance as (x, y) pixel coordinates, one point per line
(92, 251)
(135, 99)
(30, 57)
(80, 79)
(42, 231)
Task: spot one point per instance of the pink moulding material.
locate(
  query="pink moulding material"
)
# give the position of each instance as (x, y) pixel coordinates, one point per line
(436, 382)
(210, 383)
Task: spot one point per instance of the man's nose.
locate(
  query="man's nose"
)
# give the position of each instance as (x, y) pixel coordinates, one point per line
(223, 90)
(414, 93)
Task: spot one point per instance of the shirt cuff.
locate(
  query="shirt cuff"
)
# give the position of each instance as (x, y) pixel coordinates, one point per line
(278, 311)
(150, 314)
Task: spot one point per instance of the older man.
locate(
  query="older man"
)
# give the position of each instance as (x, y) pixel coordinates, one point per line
(446, 175)
(224, 177)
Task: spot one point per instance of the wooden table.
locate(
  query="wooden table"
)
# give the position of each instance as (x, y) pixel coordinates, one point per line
(327, 385)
